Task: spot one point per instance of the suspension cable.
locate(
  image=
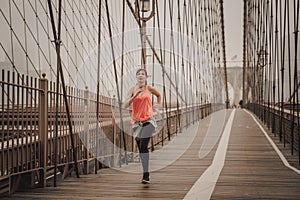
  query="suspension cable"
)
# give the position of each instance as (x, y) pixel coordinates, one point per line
(60, 72)
(98, 83)
(171, 11)
(163, 72)
(122, 70)
(116, 79)
(224, 53)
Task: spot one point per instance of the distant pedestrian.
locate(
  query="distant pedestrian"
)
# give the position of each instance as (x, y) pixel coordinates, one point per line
(233, 105)
(241, 103)
(142, 121)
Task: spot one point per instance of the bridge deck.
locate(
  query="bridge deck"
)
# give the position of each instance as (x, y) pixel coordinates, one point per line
(252, 170)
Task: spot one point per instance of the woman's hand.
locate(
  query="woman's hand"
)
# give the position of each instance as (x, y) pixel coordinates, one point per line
(138, 92)
(130, 97)
(158, 105)
(156, 111)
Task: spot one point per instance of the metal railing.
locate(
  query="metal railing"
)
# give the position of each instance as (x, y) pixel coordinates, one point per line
(282, 122)
(30, 149)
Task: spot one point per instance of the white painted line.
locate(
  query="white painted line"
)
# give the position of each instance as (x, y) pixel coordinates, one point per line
(205, 185)
(281, 156)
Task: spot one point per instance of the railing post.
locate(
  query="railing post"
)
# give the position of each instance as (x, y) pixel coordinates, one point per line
(43, 126)
(86, 131)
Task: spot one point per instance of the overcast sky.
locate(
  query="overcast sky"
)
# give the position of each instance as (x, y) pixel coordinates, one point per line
(233, 19)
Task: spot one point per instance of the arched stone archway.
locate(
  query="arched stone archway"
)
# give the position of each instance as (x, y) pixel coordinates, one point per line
(235, 78)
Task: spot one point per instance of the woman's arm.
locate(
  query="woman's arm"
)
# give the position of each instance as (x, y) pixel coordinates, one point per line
(128, 99)
(156, 93)
(131, 96)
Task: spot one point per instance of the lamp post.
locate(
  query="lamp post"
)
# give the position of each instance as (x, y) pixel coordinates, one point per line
(143, 6)
(261, 63)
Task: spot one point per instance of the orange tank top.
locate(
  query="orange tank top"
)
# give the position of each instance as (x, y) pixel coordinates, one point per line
(142, 106)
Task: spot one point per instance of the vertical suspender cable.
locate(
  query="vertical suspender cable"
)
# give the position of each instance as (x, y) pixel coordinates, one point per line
(164, 62)
(296, 21)
(191, 59)
(189, 28)
(193, 79)
(172, 55)
(264, 44)
(122, 57)
(98, 84)
(296, 18)
(292, 100)
(197, 75)
(290, 77)
(283, 68)
(209, 46)
(142, 32)
(190, 22)
(180, 46)
(56, 108)
(268, 63)
(257, 36)
(266, 68)
(274, 67)
(277, 58)
(60, 71)
(255, 47)
(252, 42)
(56, 118)
(277, 66)
(153, 60)
(163, 72)
(272, 64)
(116, 79)
(201, 44)
(260, 60)
(183, 67)
(296, 38)
(171, 43)
(224, 53)
(178, 58)
(190, 63)
(245, 50)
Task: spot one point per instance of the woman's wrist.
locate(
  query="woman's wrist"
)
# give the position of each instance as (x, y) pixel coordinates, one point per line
(157, 106)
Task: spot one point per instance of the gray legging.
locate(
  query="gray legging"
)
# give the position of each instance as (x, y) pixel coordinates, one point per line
(142, 141)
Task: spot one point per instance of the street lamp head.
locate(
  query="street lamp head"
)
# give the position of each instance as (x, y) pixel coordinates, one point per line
(145, 5)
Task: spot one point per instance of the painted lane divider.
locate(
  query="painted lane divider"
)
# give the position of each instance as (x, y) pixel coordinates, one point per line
(204, 186)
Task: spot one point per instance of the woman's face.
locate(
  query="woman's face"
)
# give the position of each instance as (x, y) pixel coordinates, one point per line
(141, 76)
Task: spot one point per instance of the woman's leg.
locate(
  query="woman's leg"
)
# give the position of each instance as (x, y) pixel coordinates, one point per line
(143, 143)
(144, 153)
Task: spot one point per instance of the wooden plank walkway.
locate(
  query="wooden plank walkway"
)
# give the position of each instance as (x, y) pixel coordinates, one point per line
(252, 170)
